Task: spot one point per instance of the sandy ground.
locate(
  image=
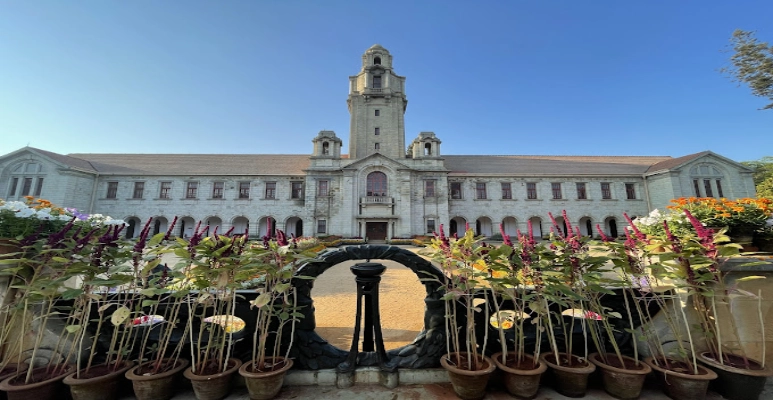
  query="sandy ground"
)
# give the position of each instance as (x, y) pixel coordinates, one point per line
(401, 300)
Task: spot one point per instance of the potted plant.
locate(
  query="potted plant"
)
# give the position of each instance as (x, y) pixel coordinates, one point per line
(565, 264)
(463, 262)
(101, 310)
(271, 267)
(46, 262)
(672, 261)
(622, 376)
(514, 281)
(742, 217)
(21, 223)
(740, 377)
(212, 266)
(156, 315)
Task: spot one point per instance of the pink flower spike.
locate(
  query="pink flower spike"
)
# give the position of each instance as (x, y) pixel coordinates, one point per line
(604, 237)
(505, 237)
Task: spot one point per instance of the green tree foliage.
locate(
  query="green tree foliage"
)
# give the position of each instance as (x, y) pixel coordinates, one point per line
(752, 64)
(763, 175)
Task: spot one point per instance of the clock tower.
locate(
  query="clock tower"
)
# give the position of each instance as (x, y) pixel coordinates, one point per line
(377, 106)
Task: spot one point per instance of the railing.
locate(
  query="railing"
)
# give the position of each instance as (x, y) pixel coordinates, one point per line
(376, 200)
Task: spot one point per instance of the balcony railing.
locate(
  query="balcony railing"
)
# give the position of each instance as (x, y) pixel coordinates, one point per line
(375, 200)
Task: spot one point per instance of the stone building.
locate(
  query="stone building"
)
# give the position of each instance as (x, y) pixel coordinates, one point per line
(381, 189)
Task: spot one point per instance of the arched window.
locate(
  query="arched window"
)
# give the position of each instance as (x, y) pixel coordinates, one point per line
(427, 149)
(707, 181)
(26, 180)
(377, 184)
(377, 61)
(325, 148)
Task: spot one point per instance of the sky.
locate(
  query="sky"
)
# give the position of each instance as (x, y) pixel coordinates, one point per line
(520, 77)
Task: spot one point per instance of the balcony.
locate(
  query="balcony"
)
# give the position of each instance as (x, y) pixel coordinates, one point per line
(376, 200)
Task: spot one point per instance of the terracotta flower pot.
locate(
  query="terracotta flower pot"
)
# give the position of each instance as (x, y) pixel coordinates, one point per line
(571, 381)
(468, 384)
(621, 381)
(102, 383)
(44, 387)
(522, 380)
(214, 386)
(265, 385)
(734, 381)
(681, 385)
(156, 386)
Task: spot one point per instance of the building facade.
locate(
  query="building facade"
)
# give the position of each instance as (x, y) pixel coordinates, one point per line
(381, 189)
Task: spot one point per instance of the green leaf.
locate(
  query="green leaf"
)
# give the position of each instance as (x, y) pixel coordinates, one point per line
(120, 315)
(72, 328)
(70, 294)
(262, 300)
(749, 278)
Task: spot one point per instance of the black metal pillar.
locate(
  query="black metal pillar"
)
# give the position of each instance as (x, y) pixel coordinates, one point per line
(367, 276)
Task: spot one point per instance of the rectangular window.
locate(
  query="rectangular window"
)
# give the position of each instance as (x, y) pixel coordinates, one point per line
(270, 190)
(707, 188)
(697, 187)
(296, 190)
(377, 131)
(431, 226)
(456, 190)
(480, 190)
(164, 192)
(244, 190)
(217, 190)
(531, 190)
(507, 192)
(26, 187)
(606, 192)
(378, 113)
(429, 188)
(322, 188)
(582, 194)
(376, 82)
(719, 189)
(556, 188)
(112, 190)
(139, 190)
(14, 183)
(630, 191)
(191, 191)
(321, 226)
(39, 187)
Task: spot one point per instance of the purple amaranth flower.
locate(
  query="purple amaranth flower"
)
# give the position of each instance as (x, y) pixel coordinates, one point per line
(281, 239)
(229, 232)
(140, 245)
(569, 231)
(505, 237)
(557, 230)
(466, 226)
(636, 230)
(171, 227)
(265, 241)
(604, 237)
(444, 242)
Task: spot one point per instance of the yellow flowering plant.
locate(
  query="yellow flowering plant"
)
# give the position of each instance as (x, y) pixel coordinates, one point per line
(724, 212)
(463, 262)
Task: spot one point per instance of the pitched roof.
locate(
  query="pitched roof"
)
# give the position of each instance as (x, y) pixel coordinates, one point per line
(66, 160)
(675, 162)
(196, 164)
(551, 165)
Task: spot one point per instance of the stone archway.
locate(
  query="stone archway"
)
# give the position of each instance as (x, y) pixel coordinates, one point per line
(311, 351)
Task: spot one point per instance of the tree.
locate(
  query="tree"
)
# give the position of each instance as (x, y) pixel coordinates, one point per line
(752, 64)
(763, 175)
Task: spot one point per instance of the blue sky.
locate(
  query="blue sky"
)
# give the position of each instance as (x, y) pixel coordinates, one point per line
(587, 77)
